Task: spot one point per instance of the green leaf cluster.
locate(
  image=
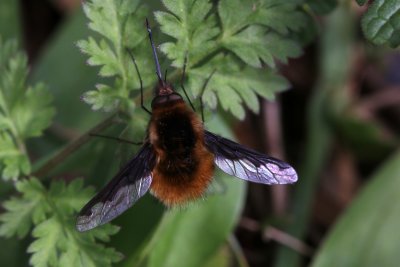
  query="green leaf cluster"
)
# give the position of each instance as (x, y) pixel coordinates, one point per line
(25, 111)
(117, 22)
(226, 45)
(49, 212)
(234, 45)
(381, 23)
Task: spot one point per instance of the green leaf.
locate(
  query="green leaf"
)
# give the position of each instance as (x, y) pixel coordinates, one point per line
(24, 111)
(236, 15)
(367, 234)
(249, 46)
(191, 26)
(79, 249)
(69, 198)
(256, 33)
(47, 235)
(57, 243)
(104, 98)
(17, 219)
(381, 23)
(103, 18)
(282, 48)
(15, 166)
(22, 211)
(232, 85)
(12, 76)
(33, 113)
(362, 135)
(214, 218)
(51, 212)
(253, 44)
(13, 162)
(120, 23)
(101, 55)
(274, 15)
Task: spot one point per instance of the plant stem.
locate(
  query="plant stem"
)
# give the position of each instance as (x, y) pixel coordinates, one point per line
(237, 251)
(71, 148)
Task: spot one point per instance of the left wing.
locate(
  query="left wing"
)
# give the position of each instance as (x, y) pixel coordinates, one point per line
(247, 164)
(130, 184)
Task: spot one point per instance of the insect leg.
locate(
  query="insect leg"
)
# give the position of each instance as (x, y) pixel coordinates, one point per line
(116, 139)
(202, 92)
(140, 80)
(183, 79)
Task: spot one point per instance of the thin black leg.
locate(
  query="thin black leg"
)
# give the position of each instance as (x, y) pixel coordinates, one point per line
(116, 139)
(202, 92)
(183, 79)
(140, 80)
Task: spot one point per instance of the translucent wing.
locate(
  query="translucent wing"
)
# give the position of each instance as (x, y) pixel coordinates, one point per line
(130, 184)
(247, 164)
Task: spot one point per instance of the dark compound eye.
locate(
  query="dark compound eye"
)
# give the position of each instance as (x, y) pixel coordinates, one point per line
(162, 99)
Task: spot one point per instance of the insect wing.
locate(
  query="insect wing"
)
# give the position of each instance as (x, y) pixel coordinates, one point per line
(130, 184)
(247, 164)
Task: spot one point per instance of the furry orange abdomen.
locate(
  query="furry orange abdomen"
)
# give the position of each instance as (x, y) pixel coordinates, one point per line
(186, 187)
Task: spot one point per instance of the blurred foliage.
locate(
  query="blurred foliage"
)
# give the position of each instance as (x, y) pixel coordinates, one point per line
(9, 19)
(373, 219)
(244, 44)
(327, 101)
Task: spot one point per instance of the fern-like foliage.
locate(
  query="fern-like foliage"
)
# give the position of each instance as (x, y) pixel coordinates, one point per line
(232, 41)
(120, 23)
(238, 41)
(51, 214)
(48, 214)
(25, 111)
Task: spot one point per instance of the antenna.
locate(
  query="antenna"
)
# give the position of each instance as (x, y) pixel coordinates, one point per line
(158, 70)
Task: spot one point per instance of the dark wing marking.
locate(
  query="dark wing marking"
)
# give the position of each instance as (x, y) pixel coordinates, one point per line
(247, 164)
(130, 184)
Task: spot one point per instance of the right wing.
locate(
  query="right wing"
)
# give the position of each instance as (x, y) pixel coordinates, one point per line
(247, 164)
(130, 184)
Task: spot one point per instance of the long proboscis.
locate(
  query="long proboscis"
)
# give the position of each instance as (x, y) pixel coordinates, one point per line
(158, 69)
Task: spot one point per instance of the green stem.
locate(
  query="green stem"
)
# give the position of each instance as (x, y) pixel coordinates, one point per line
(237, 251)
(71, 148)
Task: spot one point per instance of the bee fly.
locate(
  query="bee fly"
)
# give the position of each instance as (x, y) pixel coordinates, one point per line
(177, 160)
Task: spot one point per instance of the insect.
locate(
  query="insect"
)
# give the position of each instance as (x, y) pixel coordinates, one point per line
(177, 160)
